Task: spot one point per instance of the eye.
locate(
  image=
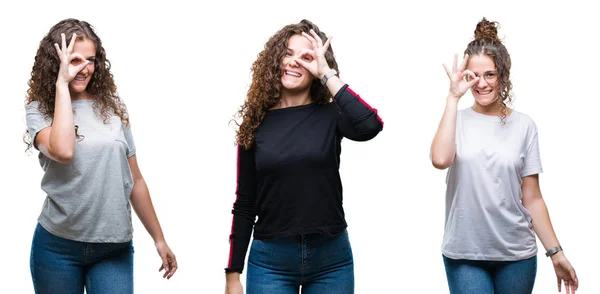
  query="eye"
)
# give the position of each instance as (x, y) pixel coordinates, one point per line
(288, 53)
(307, 58)
(490, 75)
(92, 60)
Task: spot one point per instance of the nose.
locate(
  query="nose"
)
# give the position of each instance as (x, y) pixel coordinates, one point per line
(293, 62)
(86, 69)
(482, 83)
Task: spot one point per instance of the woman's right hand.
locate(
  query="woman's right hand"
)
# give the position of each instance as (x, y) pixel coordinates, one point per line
(458, 83)
(70, 63)
(233, 284)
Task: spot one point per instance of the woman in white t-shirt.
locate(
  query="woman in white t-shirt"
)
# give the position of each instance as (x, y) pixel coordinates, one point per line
(91, 176)
(494, 207)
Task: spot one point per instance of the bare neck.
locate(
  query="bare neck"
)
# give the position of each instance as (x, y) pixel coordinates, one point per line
(493, 109)
(294, 99)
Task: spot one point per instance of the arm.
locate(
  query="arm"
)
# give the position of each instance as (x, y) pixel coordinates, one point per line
(58, 141)
(244, 214)
(142, 204)
(532, 200)
(358, 121)
(443, 147)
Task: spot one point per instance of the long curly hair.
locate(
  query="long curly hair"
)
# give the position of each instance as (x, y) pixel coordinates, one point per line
(42, 85)
(265, 89)
(487, 42)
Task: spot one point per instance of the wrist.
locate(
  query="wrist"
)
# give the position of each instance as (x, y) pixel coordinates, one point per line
(232, 277)
(452, 97)
(61, 83)
(159, 241)
(451, 100)
(552, 252)
(321, 73)
(557, 255)
(327, 76)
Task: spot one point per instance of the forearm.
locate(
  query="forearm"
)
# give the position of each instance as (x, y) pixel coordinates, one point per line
(542, 224)
(239, 239)
(443, 147)
(61, 142)
(334, 84)
(142, 204)
(357, 120)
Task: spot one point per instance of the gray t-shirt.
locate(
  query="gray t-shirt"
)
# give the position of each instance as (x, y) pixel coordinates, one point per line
(88, 198)
(485, 219)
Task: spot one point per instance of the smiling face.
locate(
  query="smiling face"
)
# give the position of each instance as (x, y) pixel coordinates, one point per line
(294, 77)
(486, 90)
(87, 49)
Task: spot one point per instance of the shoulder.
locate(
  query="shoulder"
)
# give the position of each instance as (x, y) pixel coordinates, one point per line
(463, 113)
(32, 106)
(525, 124)
(522, 119)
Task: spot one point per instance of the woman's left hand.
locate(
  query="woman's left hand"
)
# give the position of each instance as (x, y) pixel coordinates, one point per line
(314, 60)
(565, 273)
(169, 263)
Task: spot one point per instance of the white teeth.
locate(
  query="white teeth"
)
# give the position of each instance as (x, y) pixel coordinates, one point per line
(291, 73)
(484, 93)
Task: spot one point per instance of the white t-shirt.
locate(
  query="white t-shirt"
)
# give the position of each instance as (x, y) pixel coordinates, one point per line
(485, 219)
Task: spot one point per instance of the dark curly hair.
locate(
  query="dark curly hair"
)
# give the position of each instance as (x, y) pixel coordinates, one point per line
(42, 85)
(487, 42)
(265, 89)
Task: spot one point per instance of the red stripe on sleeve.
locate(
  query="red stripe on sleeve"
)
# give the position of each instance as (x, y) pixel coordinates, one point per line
(237, 177)
(365, 104)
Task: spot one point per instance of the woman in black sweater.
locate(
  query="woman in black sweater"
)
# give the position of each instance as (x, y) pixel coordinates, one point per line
(295, 116)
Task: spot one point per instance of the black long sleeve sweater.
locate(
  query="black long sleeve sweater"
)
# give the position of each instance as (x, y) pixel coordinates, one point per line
(290, 177)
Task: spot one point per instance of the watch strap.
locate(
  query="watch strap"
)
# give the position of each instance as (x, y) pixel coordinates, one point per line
(553, 251)
(327, 76)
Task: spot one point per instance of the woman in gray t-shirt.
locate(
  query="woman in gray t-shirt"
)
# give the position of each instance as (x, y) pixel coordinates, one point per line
(494, 207)
(91, 176)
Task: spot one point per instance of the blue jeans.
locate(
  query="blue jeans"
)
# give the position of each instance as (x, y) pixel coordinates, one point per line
(317, 263)
(498, 277)
(64, 266)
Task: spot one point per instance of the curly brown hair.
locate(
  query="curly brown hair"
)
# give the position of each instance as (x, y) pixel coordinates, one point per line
(487, 42)
(42, 85)
(265, 89)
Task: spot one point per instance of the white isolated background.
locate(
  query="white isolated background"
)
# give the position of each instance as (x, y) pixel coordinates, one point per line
(183, 70)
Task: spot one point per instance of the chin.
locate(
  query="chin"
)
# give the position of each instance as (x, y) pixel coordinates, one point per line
(294, 86)
(485, 101)
(78, 88)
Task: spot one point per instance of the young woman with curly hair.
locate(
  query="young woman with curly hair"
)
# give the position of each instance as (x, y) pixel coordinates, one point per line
(295, 116)
(91, 177)
(494, 207)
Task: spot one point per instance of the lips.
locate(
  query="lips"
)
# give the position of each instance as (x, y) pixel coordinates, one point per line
(80, 78)
(293, 73)
(483, 92)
